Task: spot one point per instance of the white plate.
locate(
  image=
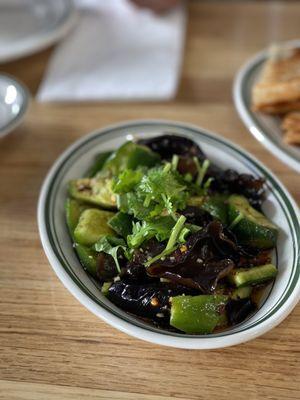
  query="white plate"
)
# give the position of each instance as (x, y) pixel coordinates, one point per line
(27, 26)
(14, 99)
(278, 301)
(265, 128)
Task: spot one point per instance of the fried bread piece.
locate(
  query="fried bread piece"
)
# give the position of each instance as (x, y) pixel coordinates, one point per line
(278, 90)
(291, 128)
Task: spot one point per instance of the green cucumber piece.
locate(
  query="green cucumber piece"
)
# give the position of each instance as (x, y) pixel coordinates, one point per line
(121, 223)
(249, 225)
(251, 276)
(96, 191)
(105, 288)
(214, 205)
(241, 293)
(73, 210)
(196, 201)
(198, 314)
(88, 259)
(130, 155)
(217, 207)
(92, 225)
(98, 163)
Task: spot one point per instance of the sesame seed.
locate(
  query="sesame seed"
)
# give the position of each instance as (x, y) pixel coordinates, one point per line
(163, 280)
(154, 302)
(160, 315)
(183, 248)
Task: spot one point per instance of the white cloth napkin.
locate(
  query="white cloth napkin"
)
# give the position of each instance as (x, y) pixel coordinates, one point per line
(117, 52)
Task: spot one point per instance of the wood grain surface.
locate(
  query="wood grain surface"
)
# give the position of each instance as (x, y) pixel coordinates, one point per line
(51, 347)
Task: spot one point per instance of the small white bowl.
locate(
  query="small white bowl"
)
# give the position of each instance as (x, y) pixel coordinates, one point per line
(278, 301)
(14, 100)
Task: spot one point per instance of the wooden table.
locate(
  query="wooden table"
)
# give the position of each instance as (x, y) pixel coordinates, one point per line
(51, 347)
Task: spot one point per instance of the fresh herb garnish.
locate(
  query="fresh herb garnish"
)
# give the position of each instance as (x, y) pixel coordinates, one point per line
(202, 169)
(111, 245)
(127, 180)
(158, 193)
(141, 231)
(172, 242)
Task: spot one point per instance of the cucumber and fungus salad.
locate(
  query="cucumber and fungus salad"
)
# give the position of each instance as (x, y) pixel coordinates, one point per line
(172, 238)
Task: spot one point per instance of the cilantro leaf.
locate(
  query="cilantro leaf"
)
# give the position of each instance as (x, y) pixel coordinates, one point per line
(174, 239)
(161, 182)
(159, 193)
(141, 231)
(131, 203)
(149, 193)
(127, 180)
(111, 245)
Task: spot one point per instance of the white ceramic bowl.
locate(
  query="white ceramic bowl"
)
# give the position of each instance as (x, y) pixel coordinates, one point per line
(279, 299)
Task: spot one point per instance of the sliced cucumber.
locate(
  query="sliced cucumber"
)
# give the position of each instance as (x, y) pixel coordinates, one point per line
(121, 223)
(198, 314)
(73, 210)
(105, 288)
(241, 293)
(250, 226)
(98, 163)
(96, 191)
(92, 225)
(196, 201)
(130, 155)
(88, 259)
(244, 277)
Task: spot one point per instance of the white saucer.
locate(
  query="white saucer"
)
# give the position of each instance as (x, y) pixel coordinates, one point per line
(14, 99)
(28, 26)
